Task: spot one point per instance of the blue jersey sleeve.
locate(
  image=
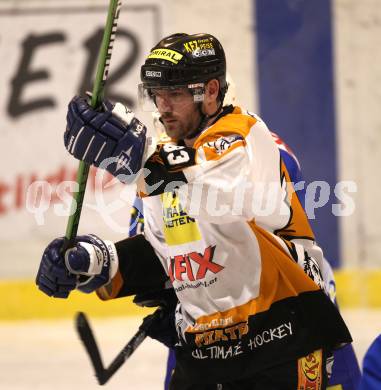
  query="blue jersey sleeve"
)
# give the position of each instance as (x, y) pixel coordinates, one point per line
(295, 173)
(136, 220)
(371, 378)
(346, 370)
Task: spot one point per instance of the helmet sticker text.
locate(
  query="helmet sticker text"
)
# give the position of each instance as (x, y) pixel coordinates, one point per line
(166, 54)
(198, 45)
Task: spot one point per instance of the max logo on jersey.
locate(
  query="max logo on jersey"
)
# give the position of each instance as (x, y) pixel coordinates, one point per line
(194, 265)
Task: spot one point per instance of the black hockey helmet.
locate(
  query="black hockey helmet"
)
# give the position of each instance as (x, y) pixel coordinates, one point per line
(185, 60)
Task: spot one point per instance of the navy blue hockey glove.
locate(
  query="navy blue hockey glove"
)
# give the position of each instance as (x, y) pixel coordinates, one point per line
(53, 277)
(163, 327)
(110, 137)
(90, 264)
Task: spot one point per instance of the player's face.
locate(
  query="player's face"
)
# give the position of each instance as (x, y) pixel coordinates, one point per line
(178, 111)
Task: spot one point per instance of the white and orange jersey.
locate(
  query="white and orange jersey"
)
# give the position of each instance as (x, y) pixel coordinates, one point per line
(237, 187)
(236, 246)
(230, 236)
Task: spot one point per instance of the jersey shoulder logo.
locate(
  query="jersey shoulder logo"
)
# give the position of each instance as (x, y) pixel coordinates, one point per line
(214, 150)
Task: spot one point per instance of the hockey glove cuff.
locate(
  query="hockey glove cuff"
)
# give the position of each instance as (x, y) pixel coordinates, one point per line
(93, 260)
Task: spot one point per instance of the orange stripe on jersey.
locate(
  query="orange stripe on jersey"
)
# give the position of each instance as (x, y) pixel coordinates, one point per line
(290, 276)
(281, 278)
(298, 225)
(111, 290)
(233, 123)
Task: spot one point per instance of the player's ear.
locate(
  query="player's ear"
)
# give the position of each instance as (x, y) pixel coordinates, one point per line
(212, 89)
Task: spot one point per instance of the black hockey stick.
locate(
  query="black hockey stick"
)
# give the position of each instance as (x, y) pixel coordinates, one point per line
(103, 373)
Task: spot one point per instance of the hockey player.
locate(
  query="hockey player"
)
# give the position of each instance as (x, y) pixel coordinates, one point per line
(345, 369)
(371, 377)
(220, 225)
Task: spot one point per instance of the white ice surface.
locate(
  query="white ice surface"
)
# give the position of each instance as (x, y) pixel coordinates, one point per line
(42, 355)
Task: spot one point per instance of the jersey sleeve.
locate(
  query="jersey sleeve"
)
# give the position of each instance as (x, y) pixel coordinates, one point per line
(237, 177)
(140, 270)
(164, 170)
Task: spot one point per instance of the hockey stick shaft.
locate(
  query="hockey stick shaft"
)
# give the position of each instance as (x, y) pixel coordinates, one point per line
(86, 334)
(97, 94)
(124, 354)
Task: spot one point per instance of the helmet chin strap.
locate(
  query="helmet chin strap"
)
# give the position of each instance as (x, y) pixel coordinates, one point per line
(203, 120)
